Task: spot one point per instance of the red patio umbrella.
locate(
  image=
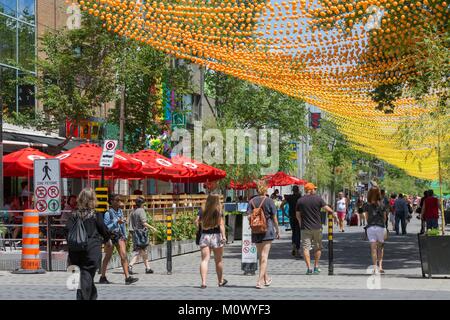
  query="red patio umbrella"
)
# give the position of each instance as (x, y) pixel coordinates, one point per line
(283, 179)
(83, 161)
(160, 167)
(242, 186)
(199, 172)
(20, 163)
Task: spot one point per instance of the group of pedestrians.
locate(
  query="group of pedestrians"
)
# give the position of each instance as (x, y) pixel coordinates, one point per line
(305, 219)
(108, 229)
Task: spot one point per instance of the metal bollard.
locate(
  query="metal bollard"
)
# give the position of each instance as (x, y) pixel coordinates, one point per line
(169, 242)
(330, 244)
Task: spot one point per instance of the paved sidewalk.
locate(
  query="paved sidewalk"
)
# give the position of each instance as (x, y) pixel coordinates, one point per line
(403, 279)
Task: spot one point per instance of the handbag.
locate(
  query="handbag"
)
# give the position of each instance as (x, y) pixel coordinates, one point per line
(140, 238)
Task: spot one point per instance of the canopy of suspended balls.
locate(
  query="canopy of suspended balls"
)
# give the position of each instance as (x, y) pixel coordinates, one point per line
(330, 53)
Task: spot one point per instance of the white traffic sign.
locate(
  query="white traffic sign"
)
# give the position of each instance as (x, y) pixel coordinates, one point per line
(109, 151)
(249, 254)
(47, 186)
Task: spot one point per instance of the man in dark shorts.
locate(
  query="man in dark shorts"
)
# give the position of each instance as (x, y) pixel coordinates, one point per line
(295, 226)
(308, 214)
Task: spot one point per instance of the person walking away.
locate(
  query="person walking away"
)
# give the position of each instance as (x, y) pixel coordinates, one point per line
(88, 260)
(348, 213)
(263, 241)
(376, 214)
(341, 206)
(392, 210)
(360, 205)
(115, 222)
(385, 200)
(139, 225)
(308, 214)
(430, 211)
(422, 218)
(212, 238)
(291, 200)
(401, 212)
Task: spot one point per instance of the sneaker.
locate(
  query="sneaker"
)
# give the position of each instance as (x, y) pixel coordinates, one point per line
(148, 271)
(103, 280)
(130, 280)
(130, 270)
(316, 271)
(309, 272)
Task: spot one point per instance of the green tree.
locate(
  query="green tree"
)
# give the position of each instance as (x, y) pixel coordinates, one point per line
(77, 72)
(243, 105)
(397, 181)
(142, 71)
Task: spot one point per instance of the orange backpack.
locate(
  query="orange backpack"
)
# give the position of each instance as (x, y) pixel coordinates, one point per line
(258, 222)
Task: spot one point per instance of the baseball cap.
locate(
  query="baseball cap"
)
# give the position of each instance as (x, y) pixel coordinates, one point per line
(310, 186)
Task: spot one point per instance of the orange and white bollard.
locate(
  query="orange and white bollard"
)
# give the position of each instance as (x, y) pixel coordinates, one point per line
(31, 260)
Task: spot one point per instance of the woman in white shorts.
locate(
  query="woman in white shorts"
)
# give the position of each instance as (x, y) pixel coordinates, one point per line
(210, 220)
(376, 216)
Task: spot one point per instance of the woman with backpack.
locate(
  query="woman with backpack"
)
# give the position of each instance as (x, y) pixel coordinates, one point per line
(211, 223)
(115, 222)
(86, 251)
(263, 240)
(139, 229)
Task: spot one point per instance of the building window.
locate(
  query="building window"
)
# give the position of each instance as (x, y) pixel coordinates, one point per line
(8, 45)
(8, 91)
(26, 46)
(26, 11)
(17, 51)
(8, 7)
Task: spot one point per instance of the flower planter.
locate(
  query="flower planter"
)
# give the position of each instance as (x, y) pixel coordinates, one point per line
(434, 255)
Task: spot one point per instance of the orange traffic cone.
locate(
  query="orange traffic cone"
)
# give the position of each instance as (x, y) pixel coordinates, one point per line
(31, 261)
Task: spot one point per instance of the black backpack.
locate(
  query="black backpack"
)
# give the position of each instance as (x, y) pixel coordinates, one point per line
(77, 237)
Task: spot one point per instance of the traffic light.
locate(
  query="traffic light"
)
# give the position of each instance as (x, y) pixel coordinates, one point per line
(102, 200)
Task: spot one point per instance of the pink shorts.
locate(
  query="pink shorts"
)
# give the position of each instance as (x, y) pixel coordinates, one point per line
(341, 215)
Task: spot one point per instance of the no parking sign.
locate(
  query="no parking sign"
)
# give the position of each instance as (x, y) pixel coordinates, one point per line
(109, 151)
(47, 186)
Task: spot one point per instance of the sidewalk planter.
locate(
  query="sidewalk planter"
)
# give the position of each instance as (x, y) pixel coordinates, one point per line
(10, 260)
(434, 255)
(159, 251)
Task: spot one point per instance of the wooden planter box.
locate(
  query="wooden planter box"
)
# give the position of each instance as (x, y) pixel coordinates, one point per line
(434, 255)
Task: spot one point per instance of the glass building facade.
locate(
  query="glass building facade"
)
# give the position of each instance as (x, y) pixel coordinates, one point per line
(17, 53)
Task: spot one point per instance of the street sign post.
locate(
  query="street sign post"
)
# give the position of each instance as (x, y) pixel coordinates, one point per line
(47, 186)
(249, 254)
(109, 151)
(47, 193)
